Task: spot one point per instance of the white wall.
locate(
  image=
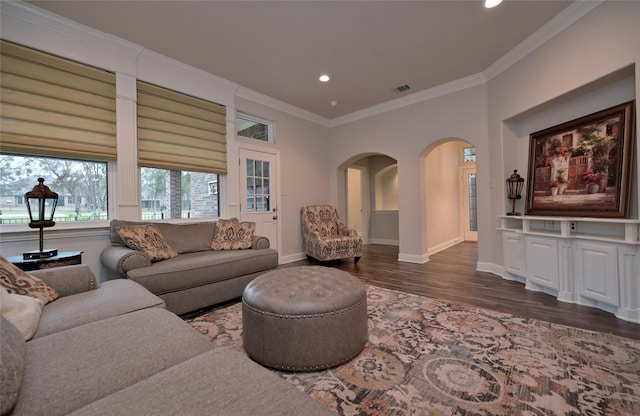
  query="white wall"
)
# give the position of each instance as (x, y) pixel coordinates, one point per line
(578, 72)
(304, 151)
(494, 117)
(303, 144)
(404, 134)
(442, 195)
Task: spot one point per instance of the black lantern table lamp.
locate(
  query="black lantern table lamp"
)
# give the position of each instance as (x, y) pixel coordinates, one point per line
(514, 189)
(41, 203)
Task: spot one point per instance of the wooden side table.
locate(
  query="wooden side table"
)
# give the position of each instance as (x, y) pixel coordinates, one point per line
(64, 258)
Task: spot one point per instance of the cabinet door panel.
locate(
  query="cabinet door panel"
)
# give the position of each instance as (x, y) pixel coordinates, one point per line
(542, 261)
(596, 271)
(514, 260)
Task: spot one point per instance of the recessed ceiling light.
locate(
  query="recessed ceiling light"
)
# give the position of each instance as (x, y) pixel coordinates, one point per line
(491, 3)
(324, 78)
(333, 103)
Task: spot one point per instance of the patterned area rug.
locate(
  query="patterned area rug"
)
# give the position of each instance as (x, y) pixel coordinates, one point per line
(432, 357)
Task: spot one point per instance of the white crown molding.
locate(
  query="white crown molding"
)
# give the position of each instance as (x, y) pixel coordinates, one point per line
(418, 97)
(271, 102)
(26, 24)
(574, 12)
(37, 28)
(161, 70)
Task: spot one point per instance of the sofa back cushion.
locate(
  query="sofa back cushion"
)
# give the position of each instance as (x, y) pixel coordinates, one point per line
(184, 238)
(12, 351)
(188, 238)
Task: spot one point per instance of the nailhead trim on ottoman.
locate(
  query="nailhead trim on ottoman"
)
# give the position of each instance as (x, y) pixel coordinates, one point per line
(304, 318)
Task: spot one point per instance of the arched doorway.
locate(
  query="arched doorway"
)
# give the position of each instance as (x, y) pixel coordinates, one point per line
(448, 179)
(371, 196)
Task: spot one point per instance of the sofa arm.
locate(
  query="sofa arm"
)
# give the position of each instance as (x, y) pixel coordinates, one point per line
(68, 280)
(260, 242)
(121, 259)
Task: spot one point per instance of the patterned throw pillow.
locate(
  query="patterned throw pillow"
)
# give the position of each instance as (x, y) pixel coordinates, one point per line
(147, 239)
(20, 283)
(233, 235)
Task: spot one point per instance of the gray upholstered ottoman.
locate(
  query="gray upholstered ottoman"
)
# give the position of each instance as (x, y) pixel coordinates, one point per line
(304, 318)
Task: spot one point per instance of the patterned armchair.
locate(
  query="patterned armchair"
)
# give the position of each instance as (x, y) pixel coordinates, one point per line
(326, 237)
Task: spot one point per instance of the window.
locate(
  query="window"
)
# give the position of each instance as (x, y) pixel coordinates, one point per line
(174, 194)
(81, 186)
(254, 128)
(469, 154)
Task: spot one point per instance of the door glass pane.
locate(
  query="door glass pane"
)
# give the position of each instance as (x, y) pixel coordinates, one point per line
(258, 185)
(473, 210)
(250, 190)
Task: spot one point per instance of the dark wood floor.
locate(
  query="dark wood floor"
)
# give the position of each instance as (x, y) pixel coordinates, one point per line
(451, 275)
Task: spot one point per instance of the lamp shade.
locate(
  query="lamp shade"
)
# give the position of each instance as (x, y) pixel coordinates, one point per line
(514, 190)
(41, 203)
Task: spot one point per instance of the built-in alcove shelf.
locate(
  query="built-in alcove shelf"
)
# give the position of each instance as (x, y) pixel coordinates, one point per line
(589, 261)
(623, 231)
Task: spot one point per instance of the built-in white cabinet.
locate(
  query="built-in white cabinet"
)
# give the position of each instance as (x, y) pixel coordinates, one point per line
(590, 261)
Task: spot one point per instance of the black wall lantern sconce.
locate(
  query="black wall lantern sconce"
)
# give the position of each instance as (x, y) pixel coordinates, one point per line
(41, 203)
(514, 190)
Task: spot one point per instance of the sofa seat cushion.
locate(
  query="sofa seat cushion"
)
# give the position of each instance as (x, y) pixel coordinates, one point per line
(197, 269)
(68, 370)
(221, 381)
(112, 298)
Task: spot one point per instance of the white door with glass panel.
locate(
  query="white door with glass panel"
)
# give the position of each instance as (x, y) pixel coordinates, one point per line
(258, 181)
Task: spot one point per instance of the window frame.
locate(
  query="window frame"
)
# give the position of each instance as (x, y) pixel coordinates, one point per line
(270, 127)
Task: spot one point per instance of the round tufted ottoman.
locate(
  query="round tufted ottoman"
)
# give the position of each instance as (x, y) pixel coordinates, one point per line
(304, 318)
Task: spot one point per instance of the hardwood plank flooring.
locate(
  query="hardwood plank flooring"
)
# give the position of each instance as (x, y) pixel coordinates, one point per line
(451, 275)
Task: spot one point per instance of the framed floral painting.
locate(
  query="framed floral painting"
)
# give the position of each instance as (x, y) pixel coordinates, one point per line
(582, 168)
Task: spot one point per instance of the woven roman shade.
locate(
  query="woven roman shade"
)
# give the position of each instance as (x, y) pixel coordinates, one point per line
(50, 106)
(180, 132)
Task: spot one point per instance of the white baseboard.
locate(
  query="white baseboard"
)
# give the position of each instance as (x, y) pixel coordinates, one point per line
(383, 241)
(413, 258)
(292, 257)
(444, 246)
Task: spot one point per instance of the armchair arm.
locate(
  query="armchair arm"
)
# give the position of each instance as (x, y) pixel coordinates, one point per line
(121, 259)
(260, 242)
(68, 280)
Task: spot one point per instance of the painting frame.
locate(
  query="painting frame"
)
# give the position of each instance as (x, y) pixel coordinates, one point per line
(583, 167)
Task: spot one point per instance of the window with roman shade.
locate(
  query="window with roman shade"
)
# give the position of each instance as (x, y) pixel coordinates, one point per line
(180, 132)
(50, 106)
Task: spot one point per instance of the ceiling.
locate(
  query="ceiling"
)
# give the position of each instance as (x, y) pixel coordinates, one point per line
(280, 48)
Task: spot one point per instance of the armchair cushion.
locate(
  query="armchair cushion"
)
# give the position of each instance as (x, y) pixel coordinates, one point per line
(325, 235)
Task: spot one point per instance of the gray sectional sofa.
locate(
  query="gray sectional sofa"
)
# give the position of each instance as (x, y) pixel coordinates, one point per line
(112, 349)
(199, 276)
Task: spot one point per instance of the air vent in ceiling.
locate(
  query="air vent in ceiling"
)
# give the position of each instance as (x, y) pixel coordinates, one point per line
(402, 88)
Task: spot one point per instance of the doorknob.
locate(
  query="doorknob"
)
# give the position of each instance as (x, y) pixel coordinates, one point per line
(275, 215)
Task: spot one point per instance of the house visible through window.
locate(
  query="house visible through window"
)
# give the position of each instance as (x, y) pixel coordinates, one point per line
(254, 128)
(174, 194)
(81, 186)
